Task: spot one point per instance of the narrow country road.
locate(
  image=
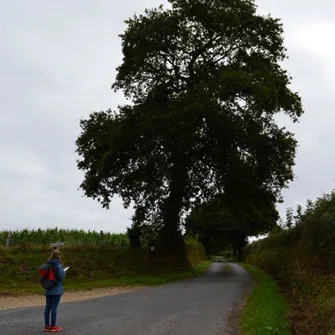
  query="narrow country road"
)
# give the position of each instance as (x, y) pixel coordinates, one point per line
(192, 307)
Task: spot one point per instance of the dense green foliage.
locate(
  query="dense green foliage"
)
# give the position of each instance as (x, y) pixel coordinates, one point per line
(203, 82)
(69, 237)
(93, 266)
(302, 260)
(221, 224)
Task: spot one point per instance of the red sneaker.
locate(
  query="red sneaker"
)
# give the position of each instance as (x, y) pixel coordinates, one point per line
(55, 329)
(47, 328)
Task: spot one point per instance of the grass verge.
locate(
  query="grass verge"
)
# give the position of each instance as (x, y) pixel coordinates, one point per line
(72, 284)
(98, 267)
(266, 310)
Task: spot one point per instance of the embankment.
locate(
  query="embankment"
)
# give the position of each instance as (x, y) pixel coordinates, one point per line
(302, 261)
(95, 267)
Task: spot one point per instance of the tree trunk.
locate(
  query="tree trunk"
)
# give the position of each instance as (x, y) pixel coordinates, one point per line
(239, 254)
(238, 244)
(235, 252)
(171, 235)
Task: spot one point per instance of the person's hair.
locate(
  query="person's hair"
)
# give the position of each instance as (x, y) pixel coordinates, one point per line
(56, 254)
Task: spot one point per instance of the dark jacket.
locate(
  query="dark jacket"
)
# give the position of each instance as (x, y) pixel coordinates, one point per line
(59, 274)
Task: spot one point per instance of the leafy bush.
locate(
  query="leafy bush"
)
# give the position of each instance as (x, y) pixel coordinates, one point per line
(302, 260)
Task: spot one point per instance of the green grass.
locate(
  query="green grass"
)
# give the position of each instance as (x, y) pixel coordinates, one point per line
(158, 278)
(147, 280)
(307, 282)
(265, 312)
(92, 267)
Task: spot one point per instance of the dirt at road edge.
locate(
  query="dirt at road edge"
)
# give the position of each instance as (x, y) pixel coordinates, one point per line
(10, 302)
(234, 315)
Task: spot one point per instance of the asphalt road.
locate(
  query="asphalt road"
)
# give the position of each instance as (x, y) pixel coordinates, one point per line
(191, 307)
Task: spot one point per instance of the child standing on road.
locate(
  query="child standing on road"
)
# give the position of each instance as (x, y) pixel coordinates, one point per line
(54, 294)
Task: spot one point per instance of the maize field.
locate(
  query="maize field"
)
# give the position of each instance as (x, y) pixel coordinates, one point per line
(69, 237)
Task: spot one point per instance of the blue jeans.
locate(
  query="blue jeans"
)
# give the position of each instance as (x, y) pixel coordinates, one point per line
(52, 302)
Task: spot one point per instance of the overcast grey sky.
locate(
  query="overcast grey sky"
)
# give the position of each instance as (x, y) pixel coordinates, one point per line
(57, 63)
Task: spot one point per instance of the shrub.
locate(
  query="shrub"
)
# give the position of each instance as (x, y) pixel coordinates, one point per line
(302, 260)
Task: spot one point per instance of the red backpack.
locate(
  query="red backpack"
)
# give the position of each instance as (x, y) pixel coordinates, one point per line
(47, 278)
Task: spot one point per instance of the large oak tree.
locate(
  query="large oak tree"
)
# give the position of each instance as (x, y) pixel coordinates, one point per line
(204, 80)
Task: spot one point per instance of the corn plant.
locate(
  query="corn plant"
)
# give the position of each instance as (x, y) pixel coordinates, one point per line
(69, 237)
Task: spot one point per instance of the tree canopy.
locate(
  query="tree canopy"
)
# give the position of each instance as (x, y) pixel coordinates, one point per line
(221, 223)
(203, 81)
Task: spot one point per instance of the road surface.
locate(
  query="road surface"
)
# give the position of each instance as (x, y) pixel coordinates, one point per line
(192, 307)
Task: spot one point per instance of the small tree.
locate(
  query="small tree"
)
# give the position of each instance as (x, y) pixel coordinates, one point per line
(289, 217)
(276, 230)
(298, 216)
(134, 234)
(310, 207)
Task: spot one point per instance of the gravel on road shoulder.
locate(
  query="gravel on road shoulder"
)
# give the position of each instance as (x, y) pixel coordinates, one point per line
(10, 302)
